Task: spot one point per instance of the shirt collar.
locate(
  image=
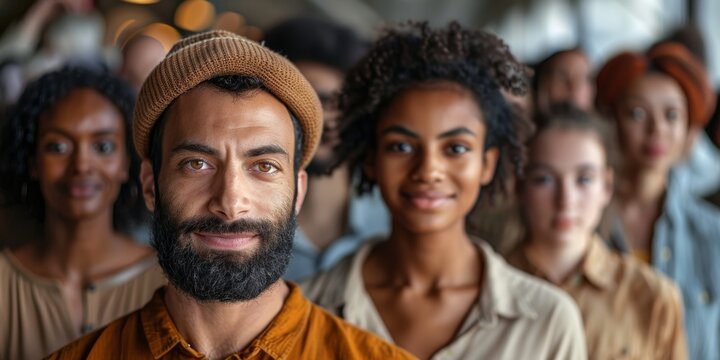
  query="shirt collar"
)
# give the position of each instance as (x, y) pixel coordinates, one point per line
(277, 340)
(500, 296)
(595, 268)
(160, 331)
(597, 264)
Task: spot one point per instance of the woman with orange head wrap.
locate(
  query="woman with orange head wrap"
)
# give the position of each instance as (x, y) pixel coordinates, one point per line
(655, 98)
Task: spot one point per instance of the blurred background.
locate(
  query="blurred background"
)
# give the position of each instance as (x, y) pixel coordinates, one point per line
(533, 28)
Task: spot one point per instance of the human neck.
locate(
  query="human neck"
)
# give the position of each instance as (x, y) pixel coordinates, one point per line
(217, 329)
(556, 260)
(643, 186)
(81, 248)
(432, 260)
(324, 215)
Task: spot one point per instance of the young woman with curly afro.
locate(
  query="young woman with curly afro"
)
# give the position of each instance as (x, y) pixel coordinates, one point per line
(423, 117)
(65, 154)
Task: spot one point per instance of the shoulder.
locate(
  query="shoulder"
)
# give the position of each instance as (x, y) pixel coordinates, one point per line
(536, 295)
(536, 299)
(537, 310)
(643, 279)
(6, 269)
(546, 301)
(348, 341)
(122, 336)
(140, 279)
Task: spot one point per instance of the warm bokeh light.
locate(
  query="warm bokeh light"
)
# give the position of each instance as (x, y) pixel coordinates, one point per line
(230, 21)
(124, 21)
(164, 33)
(195, 15)
(252, 32)
(121, 29)
(142, 2)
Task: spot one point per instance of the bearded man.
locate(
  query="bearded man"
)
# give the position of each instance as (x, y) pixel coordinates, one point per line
(226, 127)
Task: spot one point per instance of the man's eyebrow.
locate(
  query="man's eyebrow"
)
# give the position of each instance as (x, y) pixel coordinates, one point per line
(400, 130)
(267, 150)
(194, 147)
(457, 131)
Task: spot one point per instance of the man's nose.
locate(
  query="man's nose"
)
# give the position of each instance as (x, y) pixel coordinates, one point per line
(230, 201)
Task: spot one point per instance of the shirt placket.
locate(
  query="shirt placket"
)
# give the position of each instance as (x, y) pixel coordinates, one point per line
(89, 311)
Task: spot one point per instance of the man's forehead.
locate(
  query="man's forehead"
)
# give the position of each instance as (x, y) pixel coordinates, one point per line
(208, 115)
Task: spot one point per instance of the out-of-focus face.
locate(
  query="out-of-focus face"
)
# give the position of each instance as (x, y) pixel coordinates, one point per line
(327, 82)
(567, 185)
(81, 160)
(140, 57)
(429, 161)
(652, 122)
(225, 219)
(568, 78)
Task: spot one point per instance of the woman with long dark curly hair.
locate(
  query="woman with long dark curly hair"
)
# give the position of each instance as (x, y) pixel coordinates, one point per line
(423, 117)
(65, 154)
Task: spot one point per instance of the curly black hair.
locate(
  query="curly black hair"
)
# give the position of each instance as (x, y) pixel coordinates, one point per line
(317, 40)
(413, 53)
(19, 135)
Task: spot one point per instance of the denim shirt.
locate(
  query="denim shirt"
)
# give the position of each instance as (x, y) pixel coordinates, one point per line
(686, 248)
(367, 218)
(702, 167)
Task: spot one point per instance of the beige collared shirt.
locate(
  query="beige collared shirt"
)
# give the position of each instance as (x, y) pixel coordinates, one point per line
(515, 317)
(34, 315)
(629, 310)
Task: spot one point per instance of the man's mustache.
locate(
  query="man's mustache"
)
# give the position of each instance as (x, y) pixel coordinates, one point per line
(214, 225)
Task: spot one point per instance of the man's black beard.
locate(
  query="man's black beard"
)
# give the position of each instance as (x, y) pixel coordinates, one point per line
(217, 275)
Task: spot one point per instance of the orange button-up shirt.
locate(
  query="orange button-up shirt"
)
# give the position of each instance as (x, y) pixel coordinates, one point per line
(629, 310)
(300, 330)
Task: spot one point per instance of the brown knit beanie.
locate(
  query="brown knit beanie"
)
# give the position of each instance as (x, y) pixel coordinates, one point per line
(216, 53)
(671, 59)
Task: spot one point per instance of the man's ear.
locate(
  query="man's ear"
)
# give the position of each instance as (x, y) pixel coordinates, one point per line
(490, 160)
(147, 178)
(302, 182)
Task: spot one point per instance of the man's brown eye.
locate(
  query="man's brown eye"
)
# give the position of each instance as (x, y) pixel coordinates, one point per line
(196, 164)
(265, 167)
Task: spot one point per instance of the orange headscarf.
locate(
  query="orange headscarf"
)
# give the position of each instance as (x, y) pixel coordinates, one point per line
(669, 58)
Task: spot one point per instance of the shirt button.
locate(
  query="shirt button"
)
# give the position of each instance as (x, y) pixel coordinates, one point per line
(704, 297)
(87, 328)
(91, 287)
(665, 254)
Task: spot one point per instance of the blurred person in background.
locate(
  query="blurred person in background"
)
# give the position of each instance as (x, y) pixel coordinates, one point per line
(335, 219)
(563, 77)
(66, 154)
(140, 55)
(628, 310)
(654, 98)
(53, 34)
(701, 155)
(423, 118)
